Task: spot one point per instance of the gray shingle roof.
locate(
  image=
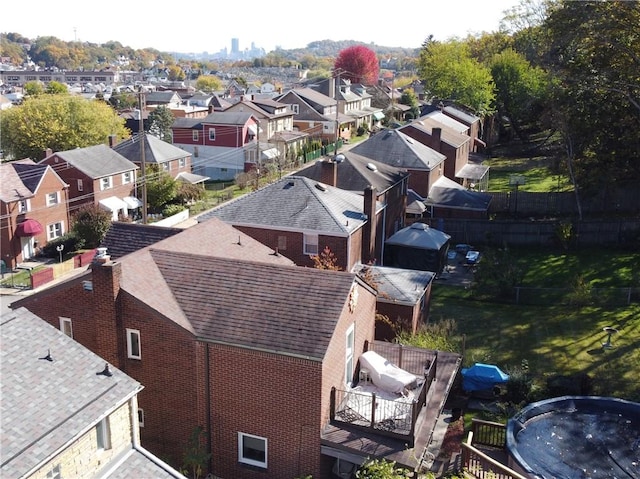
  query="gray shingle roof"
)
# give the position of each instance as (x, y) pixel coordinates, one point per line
(140, 464)
(283, 309)
(447, 193)
(97, 161)
(46, 404)
(12, 187)
(155, 150)
(447, 135)
(355, 173)
(397, 149)
(30, 173)
(295, 203)
(215, 118)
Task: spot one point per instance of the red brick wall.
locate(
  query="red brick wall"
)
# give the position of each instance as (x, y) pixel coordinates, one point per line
(41, 277)
(294, 245)
(269, 396)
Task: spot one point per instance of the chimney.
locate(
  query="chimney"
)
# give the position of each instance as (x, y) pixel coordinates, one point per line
(210, 109)
(329, 172)
(48, 152)
(113, 141)
(436, 134)
(370, 227)
(106, 276)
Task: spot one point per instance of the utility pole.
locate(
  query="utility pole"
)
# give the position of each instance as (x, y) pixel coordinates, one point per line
(143, 173)
(258, 162)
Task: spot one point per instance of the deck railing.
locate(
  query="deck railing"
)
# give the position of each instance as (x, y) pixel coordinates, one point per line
(390, 418)
(492, 436)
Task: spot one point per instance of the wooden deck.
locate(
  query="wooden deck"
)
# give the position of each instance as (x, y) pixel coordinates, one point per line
(363, 444)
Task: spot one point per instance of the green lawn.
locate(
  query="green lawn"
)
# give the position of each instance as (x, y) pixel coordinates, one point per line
(536, 173)
(555, 339)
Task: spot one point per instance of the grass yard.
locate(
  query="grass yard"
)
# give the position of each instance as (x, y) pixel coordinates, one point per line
(555, 339)
(536, 172)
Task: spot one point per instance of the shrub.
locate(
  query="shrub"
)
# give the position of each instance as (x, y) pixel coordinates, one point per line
(70, 241)
(172, 209)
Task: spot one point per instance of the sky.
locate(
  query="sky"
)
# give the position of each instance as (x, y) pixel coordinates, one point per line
(199, 26)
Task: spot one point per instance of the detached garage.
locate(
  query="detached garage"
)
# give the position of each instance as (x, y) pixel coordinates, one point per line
(417, 247)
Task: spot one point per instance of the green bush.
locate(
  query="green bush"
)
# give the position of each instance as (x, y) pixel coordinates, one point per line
(70, 241)
(172, 209)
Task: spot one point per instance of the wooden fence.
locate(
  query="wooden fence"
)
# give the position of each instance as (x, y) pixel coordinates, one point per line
(612, 232)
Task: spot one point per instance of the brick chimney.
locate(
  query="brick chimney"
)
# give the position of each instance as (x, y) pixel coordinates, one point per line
(47, 153)
(436, 135)
(106, 276)
(113, 141)
(370, 227)
(329, 172)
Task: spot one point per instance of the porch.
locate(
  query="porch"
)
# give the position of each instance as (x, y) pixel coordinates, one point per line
(366, 423)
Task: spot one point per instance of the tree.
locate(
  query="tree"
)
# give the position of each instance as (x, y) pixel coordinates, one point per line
(161, 188)
(208, 83)
(326, 260)
(160, 121)
(56, 88)
(358, 64)
(409, 98)
(91, 223)
(521, 89)
(59, 122)
(33, 88)
(449, 72)
(176, 73)
(188, 193)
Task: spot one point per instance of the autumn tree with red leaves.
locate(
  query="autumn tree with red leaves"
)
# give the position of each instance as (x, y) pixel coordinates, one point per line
(358, 64)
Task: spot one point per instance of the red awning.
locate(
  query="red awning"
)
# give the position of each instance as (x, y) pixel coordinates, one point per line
(29, 228)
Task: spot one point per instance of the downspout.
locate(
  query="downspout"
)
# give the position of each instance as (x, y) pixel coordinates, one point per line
(208, 405)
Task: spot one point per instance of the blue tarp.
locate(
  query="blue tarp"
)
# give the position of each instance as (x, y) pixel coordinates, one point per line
(480, 377)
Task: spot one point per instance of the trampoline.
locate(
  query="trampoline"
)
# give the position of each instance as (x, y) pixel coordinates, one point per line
(576, 437)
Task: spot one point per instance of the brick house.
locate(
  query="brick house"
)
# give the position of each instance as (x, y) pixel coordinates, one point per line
(299, 217)
(352, 172)
(165, 156)
(96, 175)
(249, 349)
(65, 413)
(314, 113)
(395, 148)
(222, 144)
(33, 209)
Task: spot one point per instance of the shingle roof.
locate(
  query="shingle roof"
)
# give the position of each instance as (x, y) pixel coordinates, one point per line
(124, 238)
(30, 173)
(355, 173)
(96, 161)
(215, 118)
(295, 203)
(447, 134)
(139, 463)
(12, 188)
(447, 193)
(212, 238)
(155, 150)
(283, 309)
(397, 149)
(45, 404)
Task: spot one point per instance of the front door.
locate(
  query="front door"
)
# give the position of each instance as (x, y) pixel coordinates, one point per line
(28, 249)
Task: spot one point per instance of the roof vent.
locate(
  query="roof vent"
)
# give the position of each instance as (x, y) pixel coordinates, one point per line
(321, 187)
(372, 167)
(48, 356)
(106, 371)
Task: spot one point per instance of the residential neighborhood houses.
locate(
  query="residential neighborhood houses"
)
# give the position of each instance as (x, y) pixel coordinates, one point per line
(232, 311)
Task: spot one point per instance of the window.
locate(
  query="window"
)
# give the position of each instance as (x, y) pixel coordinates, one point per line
(282, 243)
(55, 230)
(212, 134)
(166, 166)
(348, 363)
(53, 199)
(310, 244)
(141, 417)
(65, 326)
(295, 109)
(103, 434)
(80, 185)
(133, 344)
(23, 206)
(182, 162)
(194, 135)
(252, 450)
(106, 183)
(127, 177)
(54, 473)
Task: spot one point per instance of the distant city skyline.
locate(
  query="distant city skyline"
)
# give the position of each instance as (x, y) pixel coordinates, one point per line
(205, 29)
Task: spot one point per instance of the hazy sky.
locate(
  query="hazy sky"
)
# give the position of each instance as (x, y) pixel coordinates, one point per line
(197, 26)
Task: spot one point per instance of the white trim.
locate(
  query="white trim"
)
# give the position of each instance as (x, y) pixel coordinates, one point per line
(108, 185)
(249, 461)
(63, 323)
(309, 239)
(130, 352)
